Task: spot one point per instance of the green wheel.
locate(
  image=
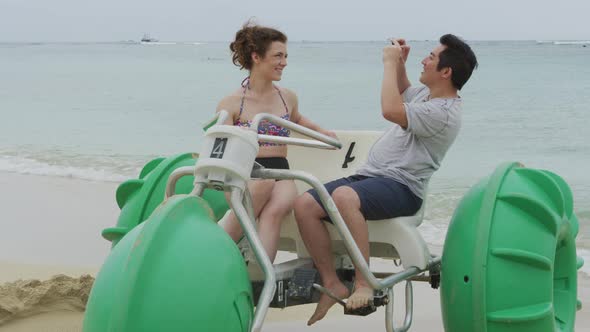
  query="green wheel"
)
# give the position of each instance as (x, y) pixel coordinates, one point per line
(509, 260)
(138, 198)
(177, 271)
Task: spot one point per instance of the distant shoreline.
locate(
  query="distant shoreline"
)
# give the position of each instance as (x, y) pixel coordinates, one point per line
(304, 41)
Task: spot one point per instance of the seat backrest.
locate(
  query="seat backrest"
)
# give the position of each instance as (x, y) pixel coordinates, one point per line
(328, 165)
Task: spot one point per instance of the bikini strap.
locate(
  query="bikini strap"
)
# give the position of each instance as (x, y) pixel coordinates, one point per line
(284, 103)
(245, 85)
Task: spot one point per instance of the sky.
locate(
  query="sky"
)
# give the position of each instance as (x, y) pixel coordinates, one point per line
(312, 20)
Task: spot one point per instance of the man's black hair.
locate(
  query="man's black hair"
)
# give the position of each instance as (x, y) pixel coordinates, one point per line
(459, 57)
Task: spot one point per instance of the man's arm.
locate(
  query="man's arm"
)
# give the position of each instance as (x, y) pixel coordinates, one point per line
(402, 77)
(392, 103)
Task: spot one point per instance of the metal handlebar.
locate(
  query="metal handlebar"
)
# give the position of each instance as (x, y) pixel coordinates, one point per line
(329, 142)
(321, 141)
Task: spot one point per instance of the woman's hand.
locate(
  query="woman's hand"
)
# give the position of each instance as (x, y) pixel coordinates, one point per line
(329, 133)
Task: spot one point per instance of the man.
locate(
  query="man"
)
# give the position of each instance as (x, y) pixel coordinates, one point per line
(392, 182)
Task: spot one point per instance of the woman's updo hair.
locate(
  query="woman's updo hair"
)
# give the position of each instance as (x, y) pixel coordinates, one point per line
(253, 38)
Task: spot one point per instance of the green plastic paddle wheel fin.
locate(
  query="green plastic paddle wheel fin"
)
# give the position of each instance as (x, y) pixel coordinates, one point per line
(177, 271)
(509, 261)
(137, 198)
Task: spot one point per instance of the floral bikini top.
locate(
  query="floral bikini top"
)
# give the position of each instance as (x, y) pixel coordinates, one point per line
(265, 126)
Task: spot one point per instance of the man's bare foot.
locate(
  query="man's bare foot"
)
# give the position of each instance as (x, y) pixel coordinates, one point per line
(360, 298)
(327, 302)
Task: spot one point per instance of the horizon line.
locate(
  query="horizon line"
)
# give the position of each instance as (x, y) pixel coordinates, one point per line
(293, 41)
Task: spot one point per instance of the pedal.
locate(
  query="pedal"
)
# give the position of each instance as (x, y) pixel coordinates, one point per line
(362, 311)
(379, 299)
(301, 284)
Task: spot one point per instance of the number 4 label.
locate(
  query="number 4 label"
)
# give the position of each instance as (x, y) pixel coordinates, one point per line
(218, 147)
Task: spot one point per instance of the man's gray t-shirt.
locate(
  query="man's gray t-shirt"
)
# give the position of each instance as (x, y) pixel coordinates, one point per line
(410, 156)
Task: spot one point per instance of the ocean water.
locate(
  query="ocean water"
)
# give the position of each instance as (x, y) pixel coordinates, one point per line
(100, 111)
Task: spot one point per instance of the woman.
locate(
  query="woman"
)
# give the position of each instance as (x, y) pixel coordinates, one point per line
(263, 52)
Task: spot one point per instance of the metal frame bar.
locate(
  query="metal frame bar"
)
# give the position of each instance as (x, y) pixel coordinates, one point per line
(174, 177)
(295, 141)
(355, 253)
(270, 281)
(389, 326)
(241, 204)
(298, 128)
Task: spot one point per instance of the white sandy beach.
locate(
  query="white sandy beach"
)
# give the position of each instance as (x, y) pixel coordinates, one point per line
(52, 227)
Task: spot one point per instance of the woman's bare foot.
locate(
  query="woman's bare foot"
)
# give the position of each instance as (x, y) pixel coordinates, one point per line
(360, 298)
(327, 302)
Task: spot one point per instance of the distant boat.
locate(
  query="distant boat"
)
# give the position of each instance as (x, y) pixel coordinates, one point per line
(147, 39)
(564, 42)
(572, 42)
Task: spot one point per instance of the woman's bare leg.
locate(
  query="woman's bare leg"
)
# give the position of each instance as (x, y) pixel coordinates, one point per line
(271, 217)
(261, 191)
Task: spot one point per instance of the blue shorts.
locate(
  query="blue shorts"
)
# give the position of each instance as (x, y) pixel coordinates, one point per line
(381, 198)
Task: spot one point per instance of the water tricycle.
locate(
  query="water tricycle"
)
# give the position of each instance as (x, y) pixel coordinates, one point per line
(508, 263)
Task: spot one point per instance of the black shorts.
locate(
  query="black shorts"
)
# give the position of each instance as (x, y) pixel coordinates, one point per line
(273, 162)
(381, 198)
